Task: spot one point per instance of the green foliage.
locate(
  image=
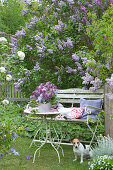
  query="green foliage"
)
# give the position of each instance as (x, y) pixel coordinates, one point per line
(102, 34)
(10, 16)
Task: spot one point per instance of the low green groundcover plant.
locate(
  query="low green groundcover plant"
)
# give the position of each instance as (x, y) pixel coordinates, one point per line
(102, 162)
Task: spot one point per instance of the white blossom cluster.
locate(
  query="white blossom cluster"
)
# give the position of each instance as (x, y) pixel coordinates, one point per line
(102, 162)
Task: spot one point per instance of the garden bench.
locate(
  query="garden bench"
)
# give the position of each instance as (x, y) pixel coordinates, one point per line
(71, 98)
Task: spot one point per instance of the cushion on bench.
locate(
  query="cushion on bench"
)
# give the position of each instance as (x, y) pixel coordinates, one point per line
(96, 103)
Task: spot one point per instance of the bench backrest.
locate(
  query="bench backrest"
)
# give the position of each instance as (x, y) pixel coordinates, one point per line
(73, 95)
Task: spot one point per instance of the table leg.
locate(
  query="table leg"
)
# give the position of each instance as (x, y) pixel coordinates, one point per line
(51, 142)
(39, 127)
(59, 141)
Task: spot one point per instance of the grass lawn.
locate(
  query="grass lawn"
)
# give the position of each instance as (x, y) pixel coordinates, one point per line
(48, 159)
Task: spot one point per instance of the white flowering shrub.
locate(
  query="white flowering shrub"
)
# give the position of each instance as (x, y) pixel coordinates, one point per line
(102, 162)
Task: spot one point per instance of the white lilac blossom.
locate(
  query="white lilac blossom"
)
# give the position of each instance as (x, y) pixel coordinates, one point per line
(8, 77)
(3, 39)
(5, 101)
(2, 69)
(21, 55)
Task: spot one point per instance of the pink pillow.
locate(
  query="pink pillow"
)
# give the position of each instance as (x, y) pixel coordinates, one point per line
(76, 112)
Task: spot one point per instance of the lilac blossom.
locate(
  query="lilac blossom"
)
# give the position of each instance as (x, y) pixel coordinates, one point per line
(60, 47)
(57, 28)
(34, 19)
(43, 17)
(28, 73)
(50, 51)
(24, 11)
(28, 25)
(110, 81)
(2, 124)
(59, 79)
(87, 79)
(29, 47)
(40, 49)
(96, 83)
(14, 152)
(44, 92)
(55, 14)
(98, 2)
(75, 57)
(37, 67)
(18, 84)
(84, 60)
(70, 70)
(90, 6)
(14, 40)
(83, 9)
(71, 2)
(28, 2)
(86, 3)
(61, 4)
(21, 33)
(37, 37)
(58, 9)
(57, 67)
(54, 1)
(60, 23)
(110, 2)
(69, 43)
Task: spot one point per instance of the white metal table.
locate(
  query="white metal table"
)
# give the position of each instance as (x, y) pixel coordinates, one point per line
(46, 118)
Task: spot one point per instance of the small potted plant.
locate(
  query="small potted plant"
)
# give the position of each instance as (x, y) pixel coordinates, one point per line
(45, 96)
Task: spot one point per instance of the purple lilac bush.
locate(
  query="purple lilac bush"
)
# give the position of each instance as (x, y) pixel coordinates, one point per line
(56, 45)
